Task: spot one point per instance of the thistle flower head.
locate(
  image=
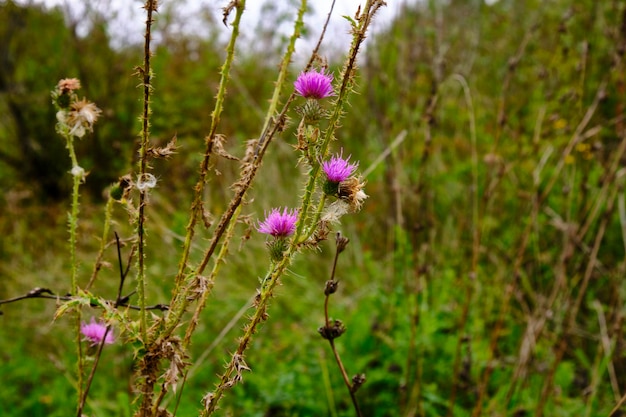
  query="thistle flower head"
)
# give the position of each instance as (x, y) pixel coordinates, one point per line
(95, 332)
(314, 84)
(279, 224)
(338, 168)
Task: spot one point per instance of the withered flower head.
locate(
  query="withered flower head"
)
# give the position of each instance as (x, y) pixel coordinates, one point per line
(351, 191)
(68, 84)
(82, 116)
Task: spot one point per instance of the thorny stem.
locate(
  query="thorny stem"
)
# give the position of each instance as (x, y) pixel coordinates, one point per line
(211, 400)
(146, 73)
(216, 267)
(73, 226)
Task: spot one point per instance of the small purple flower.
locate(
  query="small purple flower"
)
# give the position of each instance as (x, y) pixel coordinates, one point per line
(313, 84)
(338, 169)
(95, 332)
(279, 224)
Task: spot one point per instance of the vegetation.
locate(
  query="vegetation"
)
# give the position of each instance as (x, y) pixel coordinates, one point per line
(484, 272)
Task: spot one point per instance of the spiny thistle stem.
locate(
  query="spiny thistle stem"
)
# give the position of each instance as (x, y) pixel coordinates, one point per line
(211, 400)
(146, 75)
(73, 226)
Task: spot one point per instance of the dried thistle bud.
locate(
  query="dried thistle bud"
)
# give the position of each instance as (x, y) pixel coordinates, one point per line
(333, 331)
(121, 190)
(351, 191)
(331, 287)
(357, 381)
(342, 242)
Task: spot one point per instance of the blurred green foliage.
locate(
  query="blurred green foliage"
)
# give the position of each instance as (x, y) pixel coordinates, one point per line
(441, 234)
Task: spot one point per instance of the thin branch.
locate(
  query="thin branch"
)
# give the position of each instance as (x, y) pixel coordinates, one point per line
(50, 295)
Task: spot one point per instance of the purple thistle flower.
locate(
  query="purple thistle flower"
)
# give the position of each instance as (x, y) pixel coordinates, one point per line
(279, 224)
(95, 332)
(338, 169)
(313, 84)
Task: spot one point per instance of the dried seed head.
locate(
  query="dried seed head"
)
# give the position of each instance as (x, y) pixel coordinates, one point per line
(341, 242)
(357, 381)
(333, 331)
(331, 287)
(351, 191)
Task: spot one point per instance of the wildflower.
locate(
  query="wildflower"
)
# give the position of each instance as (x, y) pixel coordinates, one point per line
(82, 116)
(95, 332)
(279, 224)
(338, 169)
(313, 84)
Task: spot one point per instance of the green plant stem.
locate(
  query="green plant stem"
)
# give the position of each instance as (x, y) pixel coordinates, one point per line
(73, 226)
(145, 369)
